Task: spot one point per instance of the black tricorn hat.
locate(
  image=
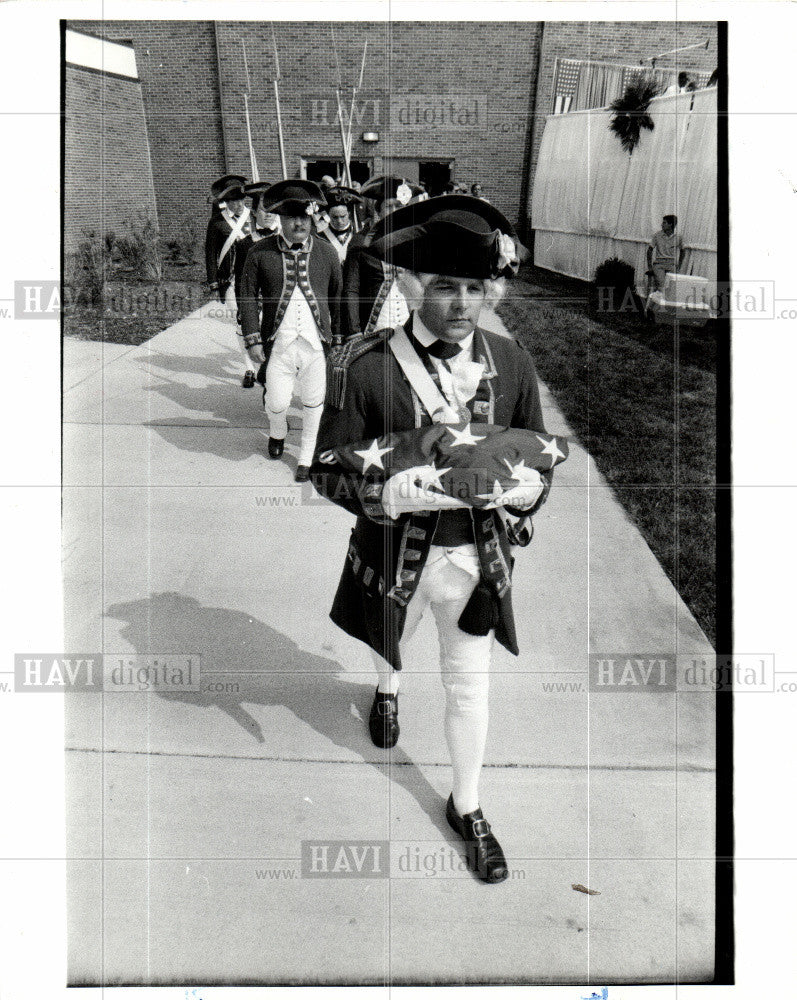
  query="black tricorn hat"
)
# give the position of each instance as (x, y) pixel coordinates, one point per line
(380, 189)
(228, 186)
(293, 197)
(456, 235)
(256, 190)
(341, 195)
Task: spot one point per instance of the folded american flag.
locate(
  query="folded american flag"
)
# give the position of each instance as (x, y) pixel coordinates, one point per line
(472, 463)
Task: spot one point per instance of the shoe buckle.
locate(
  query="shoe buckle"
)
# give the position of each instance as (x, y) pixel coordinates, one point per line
(384, 707)
(481, 828)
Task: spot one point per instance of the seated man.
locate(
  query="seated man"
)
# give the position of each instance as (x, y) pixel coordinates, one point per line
(406, 555)
(665, 252)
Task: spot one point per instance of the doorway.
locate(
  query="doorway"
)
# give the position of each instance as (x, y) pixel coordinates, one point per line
(434, 175)
(314, 170)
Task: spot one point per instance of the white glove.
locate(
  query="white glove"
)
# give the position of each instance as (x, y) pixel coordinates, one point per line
(414, 489)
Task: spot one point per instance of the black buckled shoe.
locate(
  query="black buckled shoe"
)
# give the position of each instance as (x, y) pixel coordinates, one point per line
(276, 446)
(302, 474)
(484, 854)
(383, 720)
(248, 381)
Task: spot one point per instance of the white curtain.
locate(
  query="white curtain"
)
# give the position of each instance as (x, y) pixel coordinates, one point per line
(592, 200)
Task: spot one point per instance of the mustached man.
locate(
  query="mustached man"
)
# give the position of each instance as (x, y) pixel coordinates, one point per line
(290, 305)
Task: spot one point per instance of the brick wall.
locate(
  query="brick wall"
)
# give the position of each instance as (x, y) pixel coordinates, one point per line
(179, 79)
(107, 175)
(492, 72)
(488, 71)
(625, 42)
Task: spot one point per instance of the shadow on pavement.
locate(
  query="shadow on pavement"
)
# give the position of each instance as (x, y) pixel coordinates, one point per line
(225, 404)
(269, 669)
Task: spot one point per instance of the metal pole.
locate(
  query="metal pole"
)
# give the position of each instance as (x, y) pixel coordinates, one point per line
(346, 171)
(277, 100)
(684, 48)
(353, 100)
(279, 131)
(247, 92)
(252, 157)
(346, 174)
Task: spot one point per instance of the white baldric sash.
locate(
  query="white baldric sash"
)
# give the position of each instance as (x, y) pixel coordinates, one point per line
(340, 247)
(236, 234)
(419, 378)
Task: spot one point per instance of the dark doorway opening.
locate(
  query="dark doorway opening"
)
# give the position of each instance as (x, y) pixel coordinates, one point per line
(316, 169)
(434, 176)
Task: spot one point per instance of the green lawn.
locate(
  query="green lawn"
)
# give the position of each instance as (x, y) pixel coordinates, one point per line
(641, 400)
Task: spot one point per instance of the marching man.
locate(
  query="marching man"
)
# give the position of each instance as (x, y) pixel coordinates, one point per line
(295, 278)
(372, 299)
(229, 223)
(339, 230)
(411, 551)
(263, 224)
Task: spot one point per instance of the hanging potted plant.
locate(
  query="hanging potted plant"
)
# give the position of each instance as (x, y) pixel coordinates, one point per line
(630, 112)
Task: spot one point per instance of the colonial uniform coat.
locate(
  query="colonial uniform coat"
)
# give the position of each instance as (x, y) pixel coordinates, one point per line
(367, 282)
(368, 397)
(220, 273)
(270, 274)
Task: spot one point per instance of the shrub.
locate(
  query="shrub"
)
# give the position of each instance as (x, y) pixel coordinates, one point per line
(181, 248)
(91, 266)
(138, 252)
(615, 279)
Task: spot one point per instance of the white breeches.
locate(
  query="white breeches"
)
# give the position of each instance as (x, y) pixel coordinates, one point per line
(231, 310)
(445, 587)
(299, 368)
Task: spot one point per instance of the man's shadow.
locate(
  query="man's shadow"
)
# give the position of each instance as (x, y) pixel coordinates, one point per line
(268, 669)
(230, 407)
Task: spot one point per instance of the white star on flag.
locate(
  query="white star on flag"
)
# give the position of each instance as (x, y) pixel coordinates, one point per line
(465, 436)
(497, 493)
(521, 472)
(429, 475)
(550, 449)
(373, 456)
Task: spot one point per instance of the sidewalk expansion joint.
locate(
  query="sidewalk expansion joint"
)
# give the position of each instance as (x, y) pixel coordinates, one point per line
(685, 769)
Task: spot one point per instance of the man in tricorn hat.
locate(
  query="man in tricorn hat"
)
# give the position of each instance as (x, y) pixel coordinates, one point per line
(406, 555)
(296, 278)
(229, 223)
(371, 298)
(339, 230)
(262, 224)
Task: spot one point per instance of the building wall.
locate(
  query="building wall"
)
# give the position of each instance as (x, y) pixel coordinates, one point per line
(179, 80)
(495, 80)
(191, 112)
(626, 42)
(107, 174)
(474, 86)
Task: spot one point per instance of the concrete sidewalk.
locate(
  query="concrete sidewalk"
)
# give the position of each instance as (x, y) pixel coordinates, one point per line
(187, 812)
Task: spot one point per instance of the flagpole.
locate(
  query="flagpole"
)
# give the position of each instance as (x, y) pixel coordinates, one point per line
(346, 170)
(252, 157)
(353, 99)
(277, 101)
(346, 173)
